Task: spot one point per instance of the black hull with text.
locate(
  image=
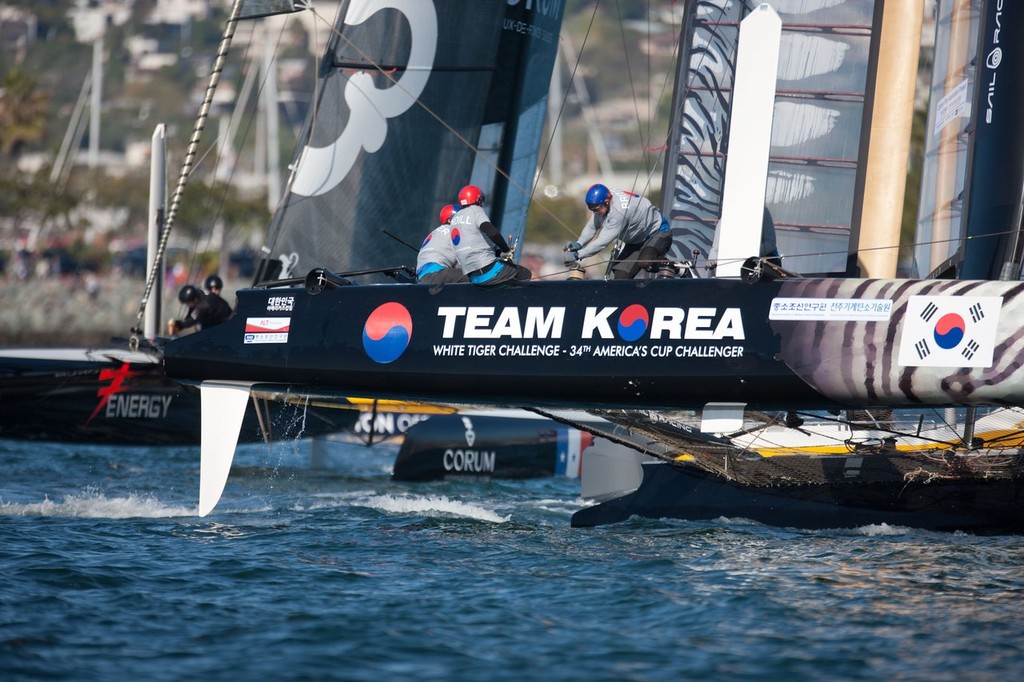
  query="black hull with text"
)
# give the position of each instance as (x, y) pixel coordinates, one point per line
(679, 343)
(114, 396)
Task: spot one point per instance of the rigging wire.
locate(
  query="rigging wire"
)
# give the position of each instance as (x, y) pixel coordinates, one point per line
(218, 209)
(561, 110)
(632, 90)
(186, 167)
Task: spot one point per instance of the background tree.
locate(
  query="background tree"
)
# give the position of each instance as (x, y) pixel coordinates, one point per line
(23, 109)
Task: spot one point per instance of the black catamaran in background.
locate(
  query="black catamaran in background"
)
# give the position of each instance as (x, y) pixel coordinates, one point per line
(716, 379)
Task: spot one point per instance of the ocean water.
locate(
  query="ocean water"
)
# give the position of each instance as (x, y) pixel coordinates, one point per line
(338, 573)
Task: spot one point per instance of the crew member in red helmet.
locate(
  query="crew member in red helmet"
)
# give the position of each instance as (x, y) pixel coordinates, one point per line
(484, 255)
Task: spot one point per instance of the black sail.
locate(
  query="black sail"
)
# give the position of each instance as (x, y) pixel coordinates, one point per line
(997, 166)
(414, 100)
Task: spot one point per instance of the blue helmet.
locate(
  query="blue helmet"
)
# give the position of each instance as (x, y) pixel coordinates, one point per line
(597, 195)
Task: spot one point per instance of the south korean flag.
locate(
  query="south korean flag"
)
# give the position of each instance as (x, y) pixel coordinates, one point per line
(949, 331)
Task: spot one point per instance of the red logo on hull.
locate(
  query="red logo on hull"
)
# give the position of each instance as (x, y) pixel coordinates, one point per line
(116, 378)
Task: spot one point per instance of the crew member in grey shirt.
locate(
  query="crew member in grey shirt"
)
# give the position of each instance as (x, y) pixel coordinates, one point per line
(484, 255)
(436, 263)
(617, 214)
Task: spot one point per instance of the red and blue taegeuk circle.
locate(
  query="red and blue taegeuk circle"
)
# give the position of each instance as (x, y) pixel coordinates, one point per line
(456, 236)
(387, 332)
(950, 331)
(633, 322)
(427, 240)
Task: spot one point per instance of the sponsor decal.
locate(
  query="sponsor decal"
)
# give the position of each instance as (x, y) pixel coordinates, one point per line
(830, 309)
(280, 304)
(546, 326)
(551, 8)
(993, 60)
(138, 406)
(266, 329)
(468, 461)
(387, 332)
(470, 433)
(119, 404)
(952, 106)
(116, 378)
(543, 9)
(950, 331)
(386, 424)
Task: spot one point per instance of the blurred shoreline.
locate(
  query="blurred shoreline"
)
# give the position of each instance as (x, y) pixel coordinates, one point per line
(76, 311)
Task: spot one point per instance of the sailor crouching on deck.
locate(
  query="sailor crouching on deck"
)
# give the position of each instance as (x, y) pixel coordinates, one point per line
(471, 230)
(437, 263)
(204, 310)
(618, 214)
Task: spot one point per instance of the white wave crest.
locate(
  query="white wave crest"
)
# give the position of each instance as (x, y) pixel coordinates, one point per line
(441, 505)
(881, 530)
(92, 504)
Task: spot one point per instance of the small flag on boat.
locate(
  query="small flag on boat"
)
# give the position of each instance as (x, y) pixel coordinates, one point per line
(949, 331)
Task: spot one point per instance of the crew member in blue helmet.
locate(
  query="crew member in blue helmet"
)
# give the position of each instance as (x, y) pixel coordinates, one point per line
(618, 214)
(436, 263)
(484, 255)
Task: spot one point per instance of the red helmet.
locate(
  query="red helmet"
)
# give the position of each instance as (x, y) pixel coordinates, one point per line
(447, 212)
(471, 194)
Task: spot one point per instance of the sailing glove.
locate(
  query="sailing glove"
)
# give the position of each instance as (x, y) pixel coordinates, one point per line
(571, 246)
(571, 258)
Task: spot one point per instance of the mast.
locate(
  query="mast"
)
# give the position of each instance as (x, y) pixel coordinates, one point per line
(892, 115)
(94, 107)
(273, 172)
(957, 77)
(157, 207)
